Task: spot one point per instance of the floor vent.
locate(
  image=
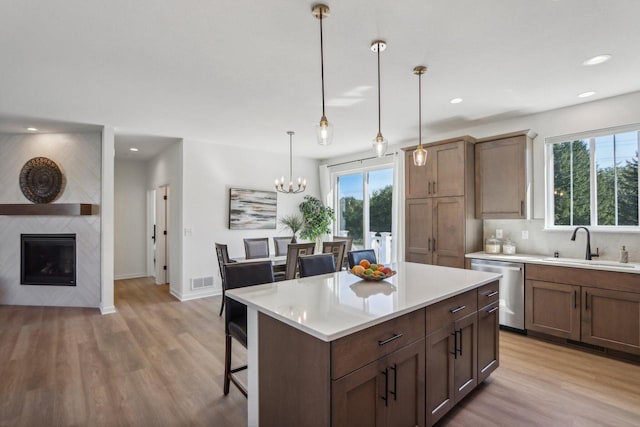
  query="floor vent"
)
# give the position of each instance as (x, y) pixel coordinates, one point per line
(201, 282)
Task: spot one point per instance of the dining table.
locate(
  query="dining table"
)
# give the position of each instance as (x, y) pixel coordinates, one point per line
(279, 262)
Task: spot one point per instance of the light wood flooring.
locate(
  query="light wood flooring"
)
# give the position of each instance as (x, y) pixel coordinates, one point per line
(159, 362)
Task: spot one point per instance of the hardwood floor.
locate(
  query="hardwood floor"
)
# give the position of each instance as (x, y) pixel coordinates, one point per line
(159, 362)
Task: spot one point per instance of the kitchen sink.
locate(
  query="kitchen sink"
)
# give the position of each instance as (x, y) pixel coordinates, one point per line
(594, 263)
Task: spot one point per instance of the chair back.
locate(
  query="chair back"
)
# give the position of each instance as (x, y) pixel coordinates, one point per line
(347, 249)
(294, 250)
(337, 249)
(241, 275)
(356, 256)
(312, 265)
(280, 244)
(256, 248)
(223, 258)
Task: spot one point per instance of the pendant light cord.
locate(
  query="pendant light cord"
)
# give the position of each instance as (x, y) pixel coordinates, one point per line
(290, 157)
(379, 114)
(420, 109)
(322, 62)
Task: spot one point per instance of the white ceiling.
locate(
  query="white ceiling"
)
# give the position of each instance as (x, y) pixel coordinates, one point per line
(244, 72)
(148, 146)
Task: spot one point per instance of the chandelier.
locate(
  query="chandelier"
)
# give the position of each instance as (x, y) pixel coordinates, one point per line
(280, 183)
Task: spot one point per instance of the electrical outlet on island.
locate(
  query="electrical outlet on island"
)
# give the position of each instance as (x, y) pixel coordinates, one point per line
(525, 234)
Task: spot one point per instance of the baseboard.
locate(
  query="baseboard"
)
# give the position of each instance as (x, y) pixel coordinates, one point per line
(107, 309)
(129, 276)
(194, 295)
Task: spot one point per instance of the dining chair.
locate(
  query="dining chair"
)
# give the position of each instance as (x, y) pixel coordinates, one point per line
(240, 275)
(356, 256)
(336, 248)
(347, 249)
(256, 248)
(223, 258)
(294, 251)
(280, 244)
(313, 265)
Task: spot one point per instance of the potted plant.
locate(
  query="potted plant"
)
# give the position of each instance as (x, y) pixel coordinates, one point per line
(292, 222)
(317, 220)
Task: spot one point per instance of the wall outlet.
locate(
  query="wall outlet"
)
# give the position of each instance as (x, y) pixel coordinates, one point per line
(188, 232)
(499, 233)
(525, 235)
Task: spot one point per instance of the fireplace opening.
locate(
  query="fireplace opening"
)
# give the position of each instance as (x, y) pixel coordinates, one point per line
(48, 259)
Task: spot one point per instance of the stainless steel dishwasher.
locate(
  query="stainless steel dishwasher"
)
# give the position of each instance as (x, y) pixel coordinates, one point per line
(511, 290)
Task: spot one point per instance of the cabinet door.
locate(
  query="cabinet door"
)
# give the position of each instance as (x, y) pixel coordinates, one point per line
(405, 372)
(418, 226)
(488, 340)
(417, 178)
(439, 377)
(501, 178)
(447, 170)
(465, 372)
(611, 319)
(448, 232)
(552, 308)
(357, 398)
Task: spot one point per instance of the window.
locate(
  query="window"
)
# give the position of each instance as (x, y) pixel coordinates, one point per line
(593, 179)
(364, 201)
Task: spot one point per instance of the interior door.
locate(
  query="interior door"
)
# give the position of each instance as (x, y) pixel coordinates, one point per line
(161, 233)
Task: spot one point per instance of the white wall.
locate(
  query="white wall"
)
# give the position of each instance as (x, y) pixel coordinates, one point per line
(209, 172)
(166, 169)
(130, 218)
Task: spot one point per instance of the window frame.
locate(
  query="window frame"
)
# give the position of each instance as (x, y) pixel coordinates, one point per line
(590, 136)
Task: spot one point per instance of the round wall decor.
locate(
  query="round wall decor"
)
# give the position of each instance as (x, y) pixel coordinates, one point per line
(41, 180)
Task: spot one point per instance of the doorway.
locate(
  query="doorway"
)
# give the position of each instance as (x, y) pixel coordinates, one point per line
(159, 227)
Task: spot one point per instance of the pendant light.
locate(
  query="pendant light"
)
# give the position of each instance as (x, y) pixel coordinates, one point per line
(380, 143)
(420, 154)
(324, 129)
(280, 183)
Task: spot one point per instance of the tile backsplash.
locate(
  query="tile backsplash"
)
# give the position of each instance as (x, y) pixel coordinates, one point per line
(545, 242)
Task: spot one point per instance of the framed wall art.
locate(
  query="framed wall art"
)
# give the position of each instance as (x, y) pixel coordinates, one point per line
(252, 209)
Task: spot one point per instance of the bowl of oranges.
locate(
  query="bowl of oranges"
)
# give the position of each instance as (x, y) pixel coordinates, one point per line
(372, 272)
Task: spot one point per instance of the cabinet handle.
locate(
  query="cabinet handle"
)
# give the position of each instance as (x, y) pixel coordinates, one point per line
(460, 350)
(492, 294)
(434, 245)
(586, 300)
(455, 310)
(455, 344)
(521, 207)
(388, 340)
(575, 299)
(429, 189)
(429, 245)
(395, 381)
(434, 187)
(493, 309)
(386, 387)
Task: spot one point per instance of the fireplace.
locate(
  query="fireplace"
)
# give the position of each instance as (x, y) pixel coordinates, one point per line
(48, 259)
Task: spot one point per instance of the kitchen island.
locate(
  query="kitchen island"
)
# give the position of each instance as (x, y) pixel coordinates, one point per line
(325, 349)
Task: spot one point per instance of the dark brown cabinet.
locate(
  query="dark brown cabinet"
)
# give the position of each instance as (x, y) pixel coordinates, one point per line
(611, 319)
(488, 348)
(503, 176)
(552, 308)
(465, 358)
(439, 211)
(439, 373)
(434, 232)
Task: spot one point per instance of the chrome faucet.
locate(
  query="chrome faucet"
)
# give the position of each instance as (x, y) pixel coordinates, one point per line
(588, 254)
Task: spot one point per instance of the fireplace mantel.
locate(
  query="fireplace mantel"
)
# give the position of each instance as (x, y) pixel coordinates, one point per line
(69, 209)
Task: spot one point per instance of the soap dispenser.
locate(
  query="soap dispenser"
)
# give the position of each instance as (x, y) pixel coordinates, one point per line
(624, 255)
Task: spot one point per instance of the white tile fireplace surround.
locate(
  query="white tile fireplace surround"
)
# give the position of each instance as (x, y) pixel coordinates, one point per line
(79, 158)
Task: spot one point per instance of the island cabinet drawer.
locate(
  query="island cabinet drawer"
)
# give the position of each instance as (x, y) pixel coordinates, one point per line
(356, 350)
(444, 312)
(488, 294)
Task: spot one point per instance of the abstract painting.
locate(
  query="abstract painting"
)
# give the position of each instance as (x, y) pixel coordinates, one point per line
(252, 209)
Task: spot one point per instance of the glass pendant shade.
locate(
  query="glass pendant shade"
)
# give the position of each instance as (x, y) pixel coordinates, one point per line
(324, 132)
(380, 145)
(420, 156)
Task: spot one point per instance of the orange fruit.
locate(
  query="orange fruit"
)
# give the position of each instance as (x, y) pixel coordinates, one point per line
(357, 269)
(365, 263)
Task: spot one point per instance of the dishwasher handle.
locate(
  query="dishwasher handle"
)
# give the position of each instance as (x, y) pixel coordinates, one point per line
(493, 268)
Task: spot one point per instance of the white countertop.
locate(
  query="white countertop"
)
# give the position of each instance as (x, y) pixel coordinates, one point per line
(331, 306)
(594, 264)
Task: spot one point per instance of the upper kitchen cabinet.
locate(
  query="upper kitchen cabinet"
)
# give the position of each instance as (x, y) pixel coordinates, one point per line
(504, 176)
(443, 175)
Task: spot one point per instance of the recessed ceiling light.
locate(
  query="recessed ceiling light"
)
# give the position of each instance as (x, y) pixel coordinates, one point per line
(586, 94)
(598, 59)
(456, 100)
(32, 129)
(133, 149)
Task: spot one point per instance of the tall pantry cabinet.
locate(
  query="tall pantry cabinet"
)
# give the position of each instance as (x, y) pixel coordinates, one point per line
(440, 223)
